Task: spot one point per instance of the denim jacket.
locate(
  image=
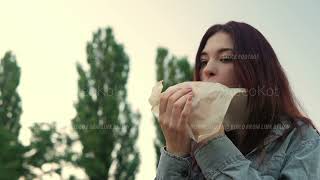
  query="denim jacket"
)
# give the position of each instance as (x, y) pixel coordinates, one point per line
(297, 157)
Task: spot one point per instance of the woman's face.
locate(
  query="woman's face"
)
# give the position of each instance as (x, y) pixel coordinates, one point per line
(213, 68)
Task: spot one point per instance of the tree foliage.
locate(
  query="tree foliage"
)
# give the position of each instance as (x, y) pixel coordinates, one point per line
(105, 123)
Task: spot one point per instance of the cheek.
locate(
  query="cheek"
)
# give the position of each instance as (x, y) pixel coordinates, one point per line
(201, 74)
(227, 75)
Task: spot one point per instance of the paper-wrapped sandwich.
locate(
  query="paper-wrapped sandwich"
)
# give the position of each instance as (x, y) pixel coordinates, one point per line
(212, 105)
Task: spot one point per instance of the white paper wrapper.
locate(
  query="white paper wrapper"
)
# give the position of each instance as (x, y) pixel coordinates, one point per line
(212, 105)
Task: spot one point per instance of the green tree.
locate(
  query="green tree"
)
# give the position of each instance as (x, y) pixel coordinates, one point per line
(172, 70)
(17, 160)
(10, 101)
(106, 126)
(43, 151)
(11, 154)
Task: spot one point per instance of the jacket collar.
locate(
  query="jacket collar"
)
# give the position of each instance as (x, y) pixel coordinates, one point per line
(277, 131)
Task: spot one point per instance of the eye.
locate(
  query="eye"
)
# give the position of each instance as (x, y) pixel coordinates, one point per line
(226, 59)
(203, 63)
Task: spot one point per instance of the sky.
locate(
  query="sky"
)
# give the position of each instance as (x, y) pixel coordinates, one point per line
(48, 37)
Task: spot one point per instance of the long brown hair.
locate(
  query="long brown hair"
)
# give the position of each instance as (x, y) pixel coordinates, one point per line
(258, 71)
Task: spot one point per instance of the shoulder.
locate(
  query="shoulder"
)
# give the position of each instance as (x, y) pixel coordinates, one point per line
(302, 135)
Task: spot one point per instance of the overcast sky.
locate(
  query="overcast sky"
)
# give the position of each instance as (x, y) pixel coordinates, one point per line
(49, 36)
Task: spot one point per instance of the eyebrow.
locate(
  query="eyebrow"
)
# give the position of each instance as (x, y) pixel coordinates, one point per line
(221, 50)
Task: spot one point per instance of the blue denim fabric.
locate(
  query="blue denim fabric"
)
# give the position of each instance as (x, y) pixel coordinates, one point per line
(297, 157)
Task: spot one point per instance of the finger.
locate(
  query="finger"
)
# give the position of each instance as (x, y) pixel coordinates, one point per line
(177, 108)
(179, 105)
(164, 98)
(166, 94)
(186, 112)
(165, 118)
(175, 96)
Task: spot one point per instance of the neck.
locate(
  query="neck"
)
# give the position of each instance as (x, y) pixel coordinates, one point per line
(236, 136)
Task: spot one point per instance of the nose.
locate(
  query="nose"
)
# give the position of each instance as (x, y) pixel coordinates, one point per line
(210, 70)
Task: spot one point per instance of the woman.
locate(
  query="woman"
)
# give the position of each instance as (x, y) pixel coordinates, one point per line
(286, 146)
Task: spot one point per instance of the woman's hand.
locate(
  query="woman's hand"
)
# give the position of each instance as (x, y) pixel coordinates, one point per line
(175, 108)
